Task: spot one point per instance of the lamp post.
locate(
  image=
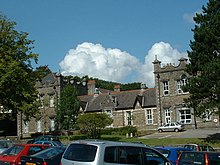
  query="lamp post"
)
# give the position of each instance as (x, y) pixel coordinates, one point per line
(159, 99)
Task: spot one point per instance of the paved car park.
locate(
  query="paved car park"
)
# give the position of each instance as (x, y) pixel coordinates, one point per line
(188, 133)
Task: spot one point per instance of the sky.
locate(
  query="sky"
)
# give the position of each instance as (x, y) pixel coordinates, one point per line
(113, 40)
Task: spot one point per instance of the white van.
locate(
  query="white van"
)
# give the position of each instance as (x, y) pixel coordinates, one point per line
(93, 152)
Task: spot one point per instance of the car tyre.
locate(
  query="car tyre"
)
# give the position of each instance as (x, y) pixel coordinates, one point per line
(160, 130)
(176, 130)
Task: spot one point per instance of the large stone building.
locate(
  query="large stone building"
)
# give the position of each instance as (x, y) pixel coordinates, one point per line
(146, 108)
(170, 97)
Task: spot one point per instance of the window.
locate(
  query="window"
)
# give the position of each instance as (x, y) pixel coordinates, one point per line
(38, 126)
(185, 116)
(207, 115)
(51, 103)
(182, 82)
(52, 124)
(149, 116)
(165, 88)
(167, 115)
(153, 157)
(128, 118)
(125, 155)
(26, 127)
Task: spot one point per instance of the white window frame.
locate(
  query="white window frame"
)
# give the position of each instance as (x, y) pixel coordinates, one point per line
(52, 124)
(165, 88)
(185, 116)
(26, 127)
(39, 127)
(167, 112)
(182, 82)
(207, 115)
(51, 103)
(149, 116)
(128, 118)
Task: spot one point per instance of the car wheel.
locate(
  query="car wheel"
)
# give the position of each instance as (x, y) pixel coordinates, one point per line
(176, 130)
(160, 130)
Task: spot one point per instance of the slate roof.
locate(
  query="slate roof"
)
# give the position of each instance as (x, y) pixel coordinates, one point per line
(118, 100)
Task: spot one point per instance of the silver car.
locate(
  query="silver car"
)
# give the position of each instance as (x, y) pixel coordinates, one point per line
(86, 152)
(172, 126)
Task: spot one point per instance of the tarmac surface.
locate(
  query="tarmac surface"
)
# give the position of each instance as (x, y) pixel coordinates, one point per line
(188, 133)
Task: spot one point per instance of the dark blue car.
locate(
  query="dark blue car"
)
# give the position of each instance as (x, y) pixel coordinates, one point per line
(171, 153)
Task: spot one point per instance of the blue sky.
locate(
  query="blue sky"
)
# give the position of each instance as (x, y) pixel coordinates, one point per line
(114, 40)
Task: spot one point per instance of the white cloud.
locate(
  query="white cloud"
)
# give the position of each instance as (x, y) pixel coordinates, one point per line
(164, 53)
(115, 65)
(96, 61)
(189, 16)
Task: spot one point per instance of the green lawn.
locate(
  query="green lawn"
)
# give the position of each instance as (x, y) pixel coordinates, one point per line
(165, 141)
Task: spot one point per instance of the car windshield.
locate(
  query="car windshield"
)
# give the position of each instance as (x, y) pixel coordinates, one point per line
(80, 152)
(14, 150)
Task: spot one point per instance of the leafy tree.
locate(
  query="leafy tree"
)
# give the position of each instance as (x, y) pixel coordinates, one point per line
(17, 79)
(42, 71)
(204, 66)
(68, 109)
(92, 123)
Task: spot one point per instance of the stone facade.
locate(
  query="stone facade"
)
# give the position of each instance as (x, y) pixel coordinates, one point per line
(146, 108)
(170, 97)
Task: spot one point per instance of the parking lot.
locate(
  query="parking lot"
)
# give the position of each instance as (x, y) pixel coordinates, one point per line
(188, 133)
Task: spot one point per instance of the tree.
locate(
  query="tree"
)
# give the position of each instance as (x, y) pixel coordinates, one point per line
(17, 78)
(42, 71)
(68, 109)
(92, 123)
(204, 57)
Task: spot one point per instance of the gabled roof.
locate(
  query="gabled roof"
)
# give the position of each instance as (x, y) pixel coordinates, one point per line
(118, 100)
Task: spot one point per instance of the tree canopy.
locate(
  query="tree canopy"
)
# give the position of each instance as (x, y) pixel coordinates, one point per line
(68, 108)
(17, 78)
(92, 123)
(204, 57)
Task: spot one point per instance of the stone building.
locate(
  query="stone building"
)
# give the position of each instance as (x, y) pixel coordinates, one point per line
(146, 108)
(170, 97)
(135, 107)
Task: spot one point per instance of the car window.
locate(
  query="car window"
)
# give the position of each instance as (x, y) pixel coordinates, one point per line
(214, 158)
(165, 152)
(81, 152)
(34, 150)
(123, 155)
(14, 150)
(153, 157)
(193, 158)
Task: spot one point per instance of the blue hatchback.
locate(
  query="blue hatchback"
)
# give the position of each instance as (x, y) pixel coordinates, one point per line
(171, 153)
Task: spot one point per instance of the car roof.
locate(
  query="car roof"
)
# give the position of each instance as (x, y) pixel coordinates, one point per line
(173, 148)
(108, 143)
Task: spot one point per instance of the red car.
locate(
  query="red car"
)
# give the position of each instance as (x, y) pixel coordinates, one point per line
(13, 154)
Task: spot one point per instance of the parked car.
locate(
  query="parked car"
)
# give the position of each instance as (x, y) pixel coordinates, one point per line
(199, 157)
(49, 156)
(172, 153)
(172, 126)
(4, 144)
(13, 154)
(95, 152)
(44, 137)
(199, 147)
(51, 143)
